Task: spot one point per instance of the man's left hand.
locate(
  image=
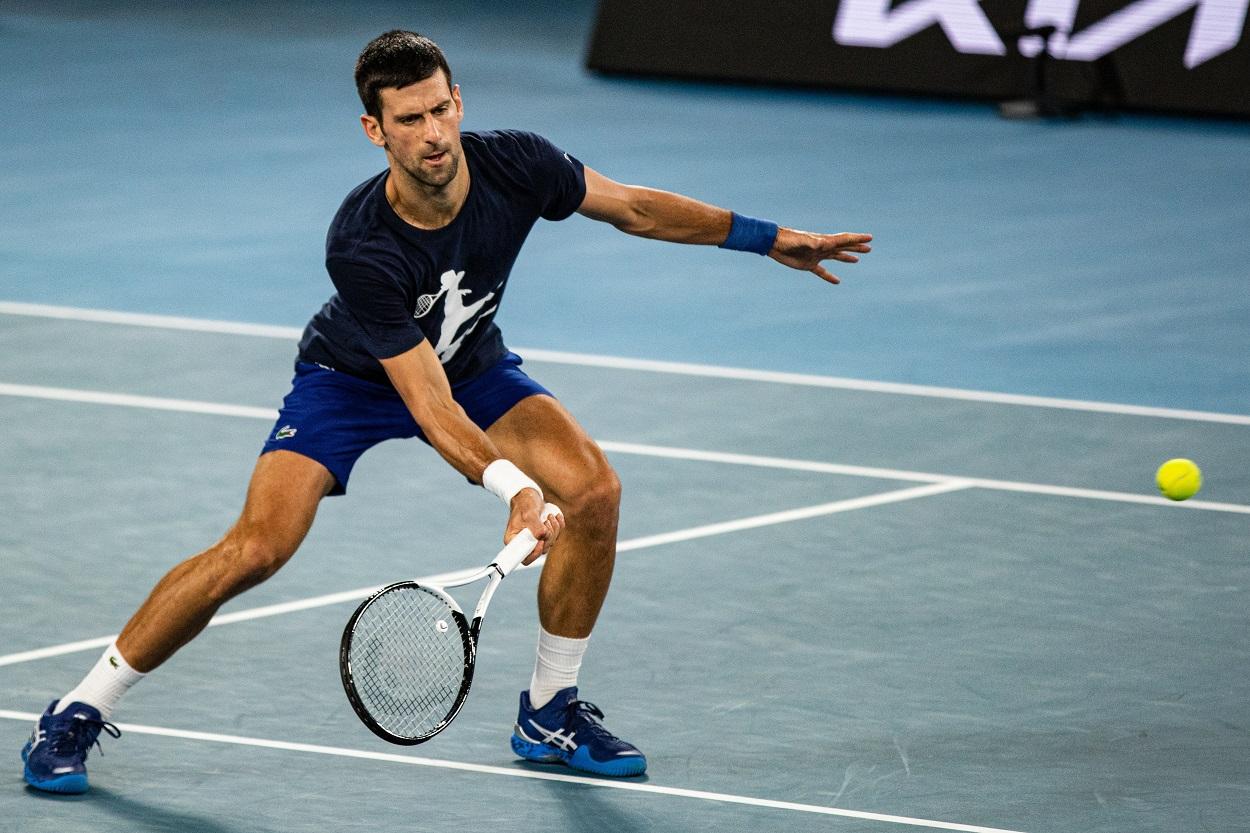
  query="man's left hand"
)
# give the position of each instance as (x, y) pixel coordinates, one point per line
(804, 250)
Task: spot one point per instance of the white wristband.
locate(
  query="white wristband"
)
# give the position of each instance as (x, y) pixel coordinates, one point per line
(504, 480)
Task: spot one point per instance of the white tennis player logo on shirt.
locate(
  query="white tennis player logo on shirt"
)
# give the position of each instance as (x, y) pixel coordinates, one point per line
(455, 313)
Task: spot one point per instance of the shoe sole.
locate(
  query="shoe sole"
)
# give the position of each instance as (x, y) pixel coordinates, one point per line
(72, 784)
(542, 753)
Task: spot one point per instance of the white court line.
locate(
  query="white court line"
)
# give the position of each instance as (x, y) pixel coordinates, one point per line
(707, 530)
(789, 515)
(869, 386)
(205, 325)
(674, 453)
(483, 769)
(160, 322)
(95, 397)
(246, 411)
(237, 616)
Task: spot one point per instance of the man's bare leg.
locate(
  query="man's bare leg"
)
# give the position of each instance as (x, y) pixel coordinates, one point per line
(553, 723)
(546, 442)
(281, 503)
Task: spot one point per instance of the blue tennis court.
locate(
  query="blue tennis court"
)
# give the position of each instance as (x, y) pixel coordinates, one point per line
(891, 554)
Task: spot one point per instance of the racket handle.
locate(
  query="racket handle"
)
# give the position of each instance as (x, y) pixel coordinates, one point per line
(513, 554)
(521, 545)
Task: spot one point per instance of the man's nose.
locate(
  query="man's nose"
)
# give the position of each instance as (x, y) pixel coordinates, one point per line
(432, 131)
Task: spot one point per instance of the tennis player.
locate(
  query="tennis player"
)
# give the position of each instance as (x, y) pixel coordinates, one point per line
(407, 347)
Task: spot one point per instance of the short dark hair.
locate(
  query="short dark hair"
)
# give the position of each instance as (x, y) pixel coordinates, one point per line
(396, 58)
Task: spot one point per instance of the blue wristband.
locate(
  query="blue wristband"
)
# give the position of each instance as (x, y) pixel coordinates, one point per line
(747, 234)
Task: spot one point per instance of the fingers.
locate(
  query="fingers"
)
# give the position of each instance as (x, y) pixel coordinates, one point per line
(824, 274)
(842, 247)
(804, 250)
(847, 241)
(541, 531)
(525, 514)
(547, 532)
(552, 526)
(861, 248)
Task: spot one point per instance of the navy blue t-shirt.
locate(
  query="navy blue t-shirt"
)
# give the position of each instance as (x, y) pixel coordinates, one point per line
(399, 285)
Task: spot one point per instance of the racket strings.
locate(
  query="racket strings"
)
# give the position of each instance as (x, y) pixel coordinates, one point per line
(408, 660)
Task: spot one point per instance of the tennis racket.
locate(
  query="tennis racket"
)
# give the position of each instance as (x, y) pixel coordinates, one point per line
(426, 302)
(408, 651)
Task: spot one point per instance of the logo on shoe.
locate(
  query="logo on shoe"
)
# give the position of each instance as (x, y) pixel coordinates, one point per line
(557, 738)
(113, 662)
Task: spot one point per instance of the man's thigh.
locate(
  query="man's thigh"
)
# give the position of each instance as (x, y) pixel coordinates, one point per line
(282, 498)
(540, 436)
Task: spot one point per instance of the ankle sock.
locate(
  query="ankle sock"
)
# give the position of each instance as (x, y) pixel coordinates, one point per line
(104, 684)
(556, 664)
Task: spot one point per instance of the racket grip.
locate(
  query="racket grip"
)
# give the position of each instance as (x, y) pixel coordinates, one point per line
(514, 553)
(521, 545)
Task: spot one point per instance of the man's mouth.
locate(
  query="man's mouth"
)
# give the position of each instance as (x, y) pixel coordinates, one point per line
(436, 158)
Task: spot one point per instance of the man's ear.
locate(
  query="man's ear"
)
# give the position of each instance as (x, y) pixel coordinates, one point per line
(373, 130)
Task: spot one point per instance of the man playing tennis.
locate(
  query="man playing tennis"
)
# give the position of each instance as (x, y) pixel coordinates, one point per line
(407, 347)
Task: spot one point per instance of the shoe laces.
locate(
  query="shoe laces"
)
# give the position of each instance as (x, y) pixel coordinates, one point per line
(80, 734)
(591, 715)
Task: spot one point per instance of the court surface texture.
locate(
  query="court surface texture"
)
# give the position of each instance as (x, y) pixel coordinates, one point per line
(891, 555)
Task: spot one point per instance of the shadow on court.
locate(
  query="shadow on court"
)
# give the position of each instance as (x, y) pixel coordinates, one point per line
(591, 809)
(141, 816)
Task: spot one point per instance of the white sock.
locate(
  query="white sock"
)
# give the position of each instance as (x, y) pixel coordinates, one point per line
(555, 666)
(104, 684)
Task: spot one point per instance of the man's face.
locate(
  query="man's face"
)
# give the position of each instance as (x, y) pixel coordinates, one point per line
(420, 129)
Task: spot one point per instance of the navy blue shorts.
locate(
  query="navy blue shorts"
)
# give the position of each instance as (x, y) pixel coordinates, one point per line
(334, 418)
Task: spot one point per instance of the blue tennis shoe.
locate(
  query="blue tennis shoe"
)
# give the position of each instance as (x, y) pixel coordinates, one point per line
(568, 731)
(56, 754)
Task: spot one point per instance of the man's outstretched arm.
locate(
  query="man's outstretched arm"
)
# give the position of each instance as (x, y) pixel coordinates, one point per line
(662, 215)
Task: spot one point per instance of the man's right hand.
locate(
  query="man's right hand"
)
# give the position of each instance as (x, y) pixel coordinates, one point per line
(525, 512)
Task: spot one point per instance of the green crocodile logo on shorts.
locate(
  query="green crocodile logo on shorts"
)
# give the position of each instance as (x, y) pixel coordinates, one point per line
(284, 433)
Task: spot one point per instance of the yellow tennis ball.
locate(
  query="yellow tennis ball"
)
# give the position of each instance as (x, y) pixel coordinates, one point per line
(1179, 479)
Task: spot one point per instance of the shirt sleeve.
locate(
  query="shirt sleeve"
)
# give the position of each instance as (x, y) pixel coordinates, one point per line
(379, 306)
(558, 178)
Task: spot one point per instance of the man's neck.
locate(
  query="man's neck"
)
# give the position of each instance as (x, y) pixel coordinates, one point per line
(426, 206)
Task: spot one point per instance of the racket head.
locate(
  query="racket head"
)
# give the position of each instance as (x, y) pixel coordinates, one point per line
(406, 661)
(426, 302)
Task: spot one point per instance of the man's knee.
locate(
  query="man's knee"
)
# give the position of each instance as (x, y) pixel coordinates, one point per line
(595, 499)
(247, 559)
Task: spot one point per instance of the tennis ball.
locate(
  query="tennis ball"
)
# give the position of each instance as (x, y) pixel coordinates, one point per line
(1179, 479)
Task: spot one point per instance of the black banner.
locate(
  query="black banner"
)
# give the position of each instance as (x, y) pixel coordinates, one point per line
(1176, 55)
